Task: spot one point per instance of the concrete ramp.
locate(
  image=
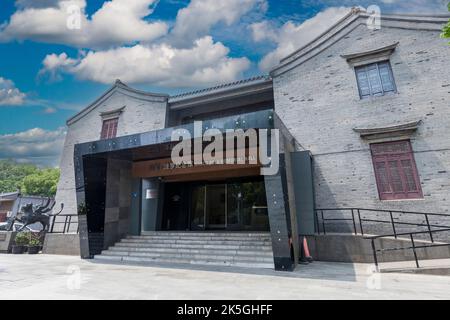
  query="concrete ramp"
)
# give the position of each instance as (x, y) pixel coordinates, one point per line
(438, 267)
(356, 249)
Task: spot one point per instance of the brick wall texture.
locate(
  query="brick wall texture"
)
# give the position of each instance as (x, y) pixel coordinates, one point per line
(319, 103)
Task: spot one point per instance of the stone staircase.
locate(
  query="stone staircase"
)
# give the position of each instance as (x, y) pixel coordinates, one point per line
(239, 249)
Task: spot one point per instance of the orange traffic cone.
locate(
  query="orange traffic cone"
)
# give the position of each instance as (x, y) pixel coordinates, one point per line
(306, 250)
(305, 257)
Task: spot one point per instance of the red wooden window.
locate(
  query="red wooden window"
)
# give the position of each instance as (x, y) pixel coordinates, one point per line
(109, 129)
(396, 171)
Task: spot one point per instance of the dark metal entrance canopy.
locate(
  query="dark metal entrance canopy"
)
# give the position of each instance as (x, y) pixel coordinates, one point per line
(103, 180)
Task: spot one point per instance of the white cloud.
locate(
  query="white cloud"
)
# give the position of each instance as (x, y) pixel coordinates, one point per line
(36, 4)
(121, 46)
(117, 22)
(49, 110)
(200, 16)
(36, 145)
(291, 37)
(263, 31)
(9, 94)
(54, 65)
(160, 64)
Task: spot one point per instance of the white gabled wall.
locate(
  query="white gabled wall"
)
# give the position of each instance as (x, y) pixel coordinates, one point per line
(141, 114)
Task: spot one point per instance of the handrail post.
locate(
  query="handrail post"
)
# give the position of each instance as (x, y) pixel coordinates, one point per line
(360, 222)
(323, 223)
(53, 224)
(429, 227)
(316, 220)
(68, 226)
(65, 224)
(393, 224)
(414, 250)
(354, 222)
(375, 259)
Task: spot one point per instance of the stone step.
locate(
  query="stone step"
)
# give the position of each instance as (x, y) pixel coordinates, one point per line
(204, 234)
(192, 241)
(242, 263)
(260, 247)
(190, 256)
(217, 237)
(207, 248)
(224, 252)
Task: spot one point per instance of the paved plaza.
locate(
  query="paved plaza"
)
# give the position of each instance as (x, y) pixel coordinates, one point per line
(65, 277)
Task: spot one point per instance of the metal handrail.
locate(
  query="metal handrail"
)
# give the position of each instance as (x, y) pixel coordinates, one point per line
(67, 223)
(413, 247)
(386, 210)
(393, 222)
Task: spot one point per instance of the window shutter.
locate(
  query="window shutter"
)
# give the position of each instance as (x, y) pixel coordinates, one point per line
(105, 128)
(395, 170)
(410, 177)
(114, 128)
(374, 79)
(386, 77)
(396, 178)
(363, 82)
(109, 129)
(382, 177)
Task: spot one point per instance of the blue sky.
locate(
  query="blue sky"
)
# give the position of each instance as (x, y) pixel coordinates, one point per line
(48, 71)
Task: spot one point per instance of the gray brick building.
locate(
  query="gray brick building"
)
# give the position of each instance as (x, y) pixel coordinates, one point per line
(370, 108)
(316, 95)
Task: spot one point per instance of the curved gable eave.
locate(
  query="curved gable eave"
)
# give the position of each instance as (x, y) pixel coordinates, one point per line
(348, 24)
(118, 87)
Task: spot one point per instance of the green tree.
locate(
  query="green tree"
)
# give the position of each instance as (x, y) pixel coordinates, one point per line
(12, 174)
(28, 177)
(446, 30)
(41, 183)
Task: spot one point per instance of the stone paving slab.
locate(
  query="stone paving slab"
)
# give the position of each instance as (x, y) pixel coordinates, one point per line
(434, 266)
(68, 277)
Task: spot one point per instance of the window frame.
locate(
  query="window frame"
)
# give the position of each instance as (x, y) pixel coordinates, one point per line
(109, 128)
(398, 157)
(377, 64)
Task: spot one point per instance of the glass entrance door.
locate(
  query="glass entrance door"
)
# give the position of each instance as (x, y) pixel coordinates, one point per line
(209, 207)
(198, 208)
(230, 206)
(247, 206)
(216, 206)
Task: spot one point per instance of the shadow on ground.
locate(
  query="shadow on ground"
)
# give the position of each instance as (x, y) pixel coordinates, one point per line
(317, 270)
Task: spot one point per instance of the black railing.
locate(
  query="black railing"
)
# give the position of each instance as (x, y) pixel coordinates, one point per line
(414, 247)
(357, 218)
(66, 221)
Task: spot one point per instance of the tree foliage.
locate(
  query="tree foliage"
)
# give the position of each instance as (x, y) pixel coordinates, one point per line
(12, 174)
(446, 30)
(29, 178)
(42, 183)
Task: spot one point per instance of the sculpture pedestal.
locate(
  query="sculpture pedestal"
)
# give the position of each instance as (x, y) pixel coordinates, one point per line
(6, 241)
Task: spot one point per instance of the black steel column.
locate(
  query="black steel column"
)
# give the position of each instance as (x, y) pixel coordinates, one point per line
(90, 182)
(278, 208)
(81, 202)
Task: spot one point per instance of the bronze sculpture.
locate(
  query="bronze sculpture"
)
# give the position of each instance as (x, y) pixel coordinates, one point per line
(29, 215)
